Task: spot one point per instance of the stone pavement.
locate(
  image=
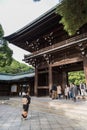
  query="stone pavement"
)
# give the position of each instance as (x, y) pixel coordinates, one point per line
(44, 114)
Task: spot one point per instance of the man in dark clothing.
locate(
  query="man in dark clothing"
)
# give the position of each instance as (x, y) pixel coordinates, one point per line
(54, 91)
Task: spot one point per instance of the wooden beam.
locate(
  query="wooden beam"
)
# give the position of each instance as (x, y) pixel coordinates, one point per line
(67, 61)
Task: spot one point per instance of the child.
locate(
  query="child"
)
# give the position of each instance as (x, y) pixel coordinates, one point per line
(25, 101)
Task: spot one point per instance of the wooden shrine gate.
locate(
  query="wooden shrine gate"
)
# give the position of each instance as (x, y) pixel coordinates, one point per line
(53, 52)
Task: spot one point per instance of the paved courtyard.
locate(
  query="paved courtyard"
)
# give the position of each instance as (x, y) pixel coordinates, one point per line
(44, 114)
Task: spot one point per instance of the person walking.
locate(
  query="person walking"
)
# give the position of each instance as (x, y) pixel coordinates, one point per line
(82, 89)
(59, 91)
(75, 92)
(26, 99)
(54, 92)
(66, 92)
(71, 91)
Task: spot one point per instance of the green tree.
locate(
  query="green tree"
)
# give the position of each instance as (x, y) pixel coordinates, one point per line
(76, 77)
(16, 67)
(73, 14)
(5, 51)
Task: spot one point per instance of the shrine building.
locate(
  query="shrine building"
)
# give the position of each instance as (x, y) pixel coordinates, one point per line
(53, 52)
(15, 84)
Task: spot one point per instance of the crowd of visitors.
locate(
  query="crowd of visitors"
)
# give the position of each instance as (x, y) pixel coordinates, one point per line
(70, 91)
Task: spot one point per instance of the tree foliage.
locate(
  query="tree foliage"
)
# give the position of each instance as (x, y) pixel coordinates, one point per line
(16, 67)
(5, 51)
(73, 13)
(5, 55)
(76, 77)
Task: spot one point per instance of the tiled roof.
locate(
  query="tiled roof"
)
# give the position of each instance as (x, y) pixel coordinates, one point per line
(9, 77)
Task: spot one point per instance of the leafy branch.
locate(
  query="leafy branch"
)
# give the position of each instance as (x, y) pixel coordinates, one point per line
(73, 14)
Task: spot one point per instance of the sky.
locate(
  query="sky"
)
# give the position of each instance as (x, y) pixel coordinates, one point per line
(15, 14)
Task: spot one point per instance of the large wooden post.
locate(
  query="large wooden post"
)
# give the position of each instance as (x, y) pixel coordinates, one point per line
(85, 68)
(50, 78)
(36, 82)
(64, 79)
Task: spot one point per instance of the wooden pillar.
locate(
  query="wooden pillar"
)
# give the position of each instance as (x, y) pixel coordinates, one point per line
(85, 68)
(50, 78)
(36, 82)
(64, 79)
